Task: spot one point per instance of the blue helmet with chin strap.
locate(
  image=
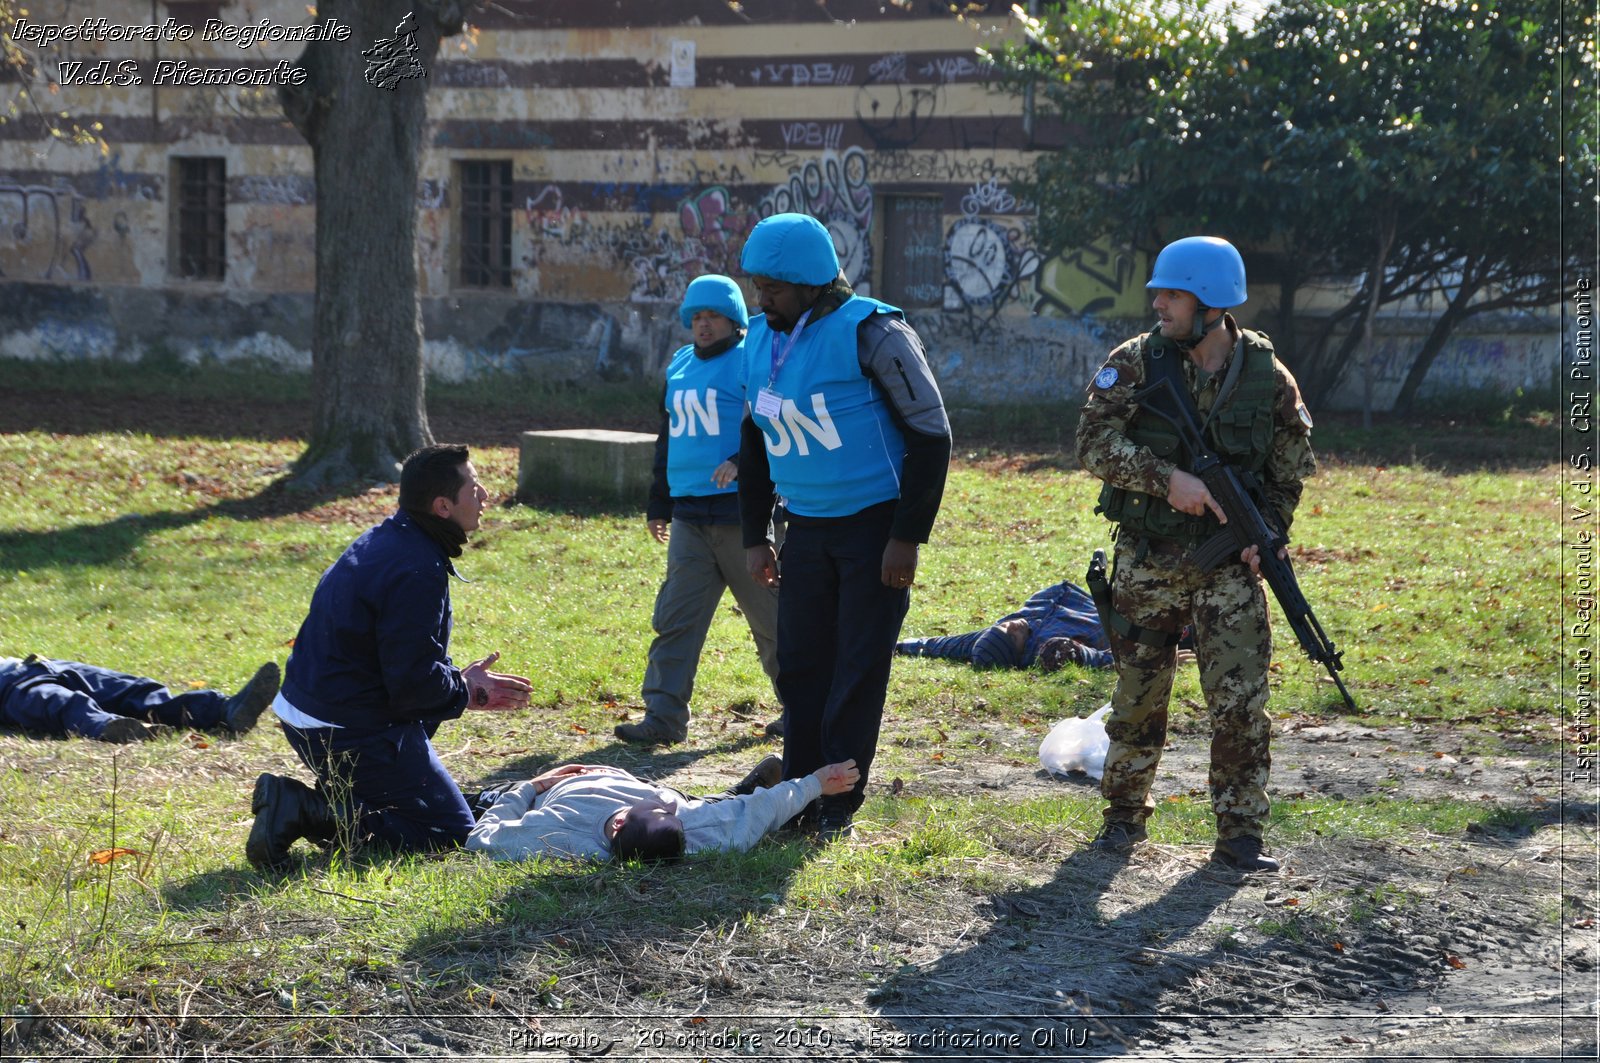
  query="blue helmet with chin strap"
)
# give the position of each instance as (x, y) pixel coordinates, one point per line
(1207, 266)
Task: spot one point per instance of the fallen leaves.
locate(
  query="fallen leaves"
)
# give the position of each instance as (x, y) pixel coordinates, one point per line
(105, 856)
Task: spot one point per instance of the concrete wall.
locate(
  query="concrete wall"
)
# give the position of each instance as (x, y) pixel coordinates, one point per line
(641, 153)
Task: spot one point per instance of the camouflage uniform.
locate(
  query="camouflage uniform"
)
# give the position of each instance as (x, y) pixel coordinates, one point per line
(1155, 586)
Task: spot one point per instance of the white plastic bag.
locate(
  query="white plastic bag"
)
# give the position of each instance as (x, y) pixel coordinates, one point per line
(1077, 745)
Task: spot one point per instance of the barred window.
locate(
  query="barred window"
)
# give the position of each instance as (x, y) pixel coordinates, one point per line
(200, 218)
(485, 223)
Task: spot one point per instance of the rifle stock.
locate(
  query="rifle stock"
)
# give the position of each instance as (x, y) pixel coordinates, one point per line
(1245, 527)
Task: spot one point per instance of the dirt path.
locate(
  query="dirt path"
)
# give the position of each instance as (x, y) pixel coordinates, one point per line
(1423, 947)
(1310, 759)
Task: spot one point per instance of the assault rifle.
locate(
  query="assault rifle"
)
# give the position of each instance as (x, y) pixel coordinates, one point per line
(1236, 492)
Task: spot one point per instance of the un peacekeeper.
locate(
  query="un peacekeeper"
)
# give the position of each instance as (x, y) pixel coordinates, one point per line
(694, 509)
(1253, 416)
(846, 423)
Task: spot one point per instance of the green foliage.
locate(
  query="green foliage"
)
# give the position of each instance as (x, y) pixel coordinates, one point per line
(1318, 135)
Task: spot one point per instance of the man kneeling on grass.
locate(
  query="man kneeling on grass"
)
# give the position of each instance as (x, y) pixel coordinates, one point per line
(370, 680)
(588, 810)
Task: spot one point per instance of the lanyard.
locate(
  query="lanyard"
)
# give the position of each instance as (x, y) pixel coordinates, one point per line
(781, 356)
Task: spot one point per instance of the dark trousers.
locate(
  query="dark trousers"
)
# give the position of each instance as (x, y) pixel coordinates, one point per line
(72, 698)
(837, 626)
(390, 784)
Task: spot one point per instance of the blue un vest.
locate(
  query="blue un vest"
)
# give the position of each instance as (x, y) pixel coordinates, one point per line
(705, 400)
(834, 450)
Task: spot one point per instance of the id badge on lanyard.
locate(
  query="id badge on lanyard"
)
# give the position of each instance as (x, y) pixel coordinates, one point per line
(769, 401)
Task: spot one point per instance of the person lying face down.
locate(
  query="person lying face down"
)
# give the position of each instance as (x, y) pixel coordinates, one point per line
(1059, 618)
(600, 812)
(1056, 626)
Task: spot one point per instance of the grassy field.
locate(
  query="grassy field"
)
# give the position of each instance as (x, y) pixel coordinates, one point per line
(144, 528)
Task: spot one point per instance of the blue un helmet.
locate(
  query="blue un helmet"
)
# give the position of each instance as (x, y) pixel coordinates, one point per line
(714, 292)
(795, 248)
(1208, 266)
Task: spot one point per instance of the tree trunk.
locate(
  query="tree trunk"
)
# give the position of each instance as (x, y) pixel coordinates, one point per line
(366, 347)
(1380, 261)
(1443, 326)
(1323, 371)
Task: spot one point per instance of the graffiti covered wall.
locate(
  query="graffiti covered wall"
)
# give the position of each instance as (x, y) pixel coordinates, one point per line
(638, 154)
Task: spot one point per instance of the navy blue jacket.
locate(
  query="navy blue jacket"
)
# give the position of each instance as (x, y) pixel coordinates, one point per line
(14, 670)
(374, 650)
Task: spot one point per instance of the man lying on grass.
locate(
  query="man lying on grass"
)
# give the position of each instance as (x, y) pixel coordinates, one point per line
(589, 810)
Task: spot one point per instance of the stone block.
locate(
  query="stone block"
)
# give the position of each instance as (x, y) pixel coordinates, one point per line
(587, 465)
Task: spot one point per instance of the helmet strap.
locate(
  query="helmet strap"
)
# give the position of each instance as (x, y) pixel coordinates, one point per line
(1200, 329)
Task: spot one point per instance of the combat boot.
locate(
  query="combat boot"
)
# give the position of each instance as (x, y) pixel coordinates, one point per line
(1243, 854)
(1118, 836)
(286, 810)
(650, 732)
(833, 825)
(246, 707)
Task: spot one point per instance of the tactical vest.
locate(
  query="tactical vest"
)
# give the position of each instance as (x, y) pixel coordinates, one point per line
(704, 403)
(1240, 431)
(834, 450)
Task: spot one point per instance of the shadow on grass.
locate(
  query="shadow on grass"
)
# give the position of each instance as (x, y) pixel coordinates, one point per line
(655, 930)
(1069, 986)
(216, 891)
(114, 540)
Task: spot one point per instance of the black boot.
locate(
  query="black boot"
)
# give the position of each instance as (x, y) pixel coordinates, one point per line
(1243, 854)
(766, 774)
(246, 707)
(286, 810)
(125, 729)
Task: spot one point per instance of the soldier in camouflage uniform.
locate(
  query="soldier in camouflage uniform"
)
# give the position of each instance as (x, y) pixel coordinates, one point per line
(1258, 424)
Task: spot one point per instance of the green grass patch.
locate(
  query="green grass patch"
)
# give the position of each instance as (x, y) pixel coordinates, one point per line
(176, 556)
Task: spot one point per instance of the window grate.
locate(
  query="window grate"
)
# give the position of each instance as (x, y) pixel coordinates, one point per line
(485, 224)
(201, 209)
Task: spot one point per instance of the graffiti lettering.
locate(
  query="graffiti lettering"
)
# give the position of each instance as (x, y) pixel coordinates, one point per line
(39, 228)
(988, 198)
(713, 231)
(819, 73)
(935, 166)
(889, 68)
(949, 68)
(812, 134)
(279, 189)
(475, 75)
(1091, 280)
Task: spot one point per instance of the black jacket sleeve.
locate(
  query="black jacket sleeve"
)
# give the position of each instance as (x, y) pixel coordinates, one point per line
(891, 353)
(922, 476)
(756, 490)
(659, 506)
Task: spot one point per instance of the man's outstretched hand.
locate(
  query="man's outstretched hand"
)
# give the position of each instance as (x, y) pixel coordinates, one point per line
(494, 691)
(837, 778)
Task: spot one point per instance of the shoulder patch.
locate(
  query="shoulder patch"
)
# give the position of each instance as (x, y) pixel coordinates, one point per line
(1305, 414)
(1107, 378)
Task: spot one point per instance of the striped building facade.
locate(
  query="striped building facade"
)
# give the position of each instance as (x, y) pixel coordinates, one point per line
(585, 159)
